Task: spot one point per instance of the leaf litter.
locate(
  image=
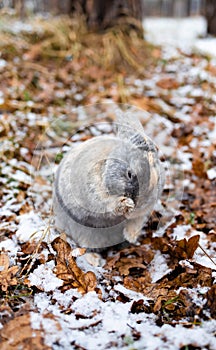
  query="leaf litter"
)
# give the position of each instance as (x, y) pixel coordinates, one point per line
(158, 294)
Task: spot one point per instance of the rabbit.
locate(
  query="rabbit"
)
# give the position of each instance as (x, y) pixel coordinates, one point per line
(106, 188)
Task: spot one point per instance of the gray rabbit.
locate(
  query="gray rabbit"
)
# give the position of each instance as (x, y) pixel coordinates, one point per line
(106, 188)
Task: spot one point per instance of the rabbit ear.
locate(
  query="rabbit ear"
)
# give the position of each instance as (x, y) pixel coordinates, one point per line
(130, 128)
(127, 125)
(143, 142)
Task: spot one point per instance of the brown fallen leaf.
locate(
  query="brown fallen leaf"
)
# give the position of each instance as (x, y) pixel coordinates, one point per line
(165, 300)
(138, 306)
(168, 83)
(199, 167)
(7, 274)
(67, 269)
(211, 300)
(185, 249)
(129, 258)
(18, 334)
(126, 266)
(164, 292)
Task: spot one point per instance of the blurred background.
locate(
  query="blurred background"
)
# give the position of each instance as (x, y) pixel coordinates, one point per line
(173, 8)
(105, 11)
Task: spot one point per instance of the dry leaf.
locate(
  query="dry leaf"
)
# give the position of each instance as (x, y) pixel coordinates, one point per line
(211, 300)
(7, 274)
(168, 83)
(127, 265)
(18, 334)
(199, 167)
(185, 249)
(138, 306)
(129, 258)
(67, 269)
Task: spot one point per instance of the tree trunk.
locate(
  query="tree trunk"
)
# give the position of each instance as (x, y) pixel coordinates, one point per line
(19, 6)
(210, 14)
(101, 15)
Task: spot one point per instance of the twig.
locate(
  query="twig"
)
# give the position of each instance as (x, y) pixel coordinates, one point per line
(206, 254)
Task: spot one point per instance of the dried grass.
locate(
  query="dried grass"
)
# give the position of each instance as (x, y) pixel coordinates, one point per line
(64, 37)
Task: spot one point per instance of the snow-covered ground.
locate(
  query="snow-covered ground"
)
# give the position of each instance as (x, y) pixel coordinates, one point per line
(184, 33)
(70, 320)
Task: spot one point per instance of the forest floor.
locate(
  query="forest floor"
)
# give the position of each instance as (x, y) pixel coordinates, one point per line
(61, 86)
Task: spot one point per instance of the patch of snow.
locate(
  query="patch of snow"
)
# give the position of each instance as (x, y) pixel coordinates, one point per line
(3, 63)
(185, 158)
(78, 97)
(206, 46)
(95, 131)
(94, 324)
(201, 258)
(183, 33)
(31, 226)
(211, 173)
(42, 301)
(21, 177)
(197, 294)
(6, 212)
(180, 231)
(65, 299)
(19, 27)
(130, 293)
(178, 32)
(88, 304)
(182, 116)
(194, 143)
(188, 184)
(85, 265)
(181, 337)
(43, 277)
(9, 245)
(186, 263)
(158, 267)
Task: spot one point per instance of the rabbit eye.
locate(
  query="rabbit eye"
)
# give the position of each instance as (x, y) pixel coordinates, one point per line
(129, 174)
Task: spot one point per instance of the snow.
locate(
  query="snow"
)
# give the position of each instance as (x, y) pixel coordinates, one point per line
(181, 337)
(44, 279)
(88, 321)
(86, 263)
(22, 177)
(174, 31)
(201, 258)
(6, 212)
(185, 158)
(183, 33)
(180, 231)
(158, 267)
(92, 323)
(211, 173)
(88, 304)
(112, 323)
(3, 63)
(30, 226)
(129, 293)
(206, 46)
(10, 246)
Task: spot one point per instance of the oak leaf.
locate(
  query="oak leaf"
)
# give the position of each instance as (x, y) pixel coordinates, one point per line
(18, 334)
(185, 249)
(7, 274)
(67, 269)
